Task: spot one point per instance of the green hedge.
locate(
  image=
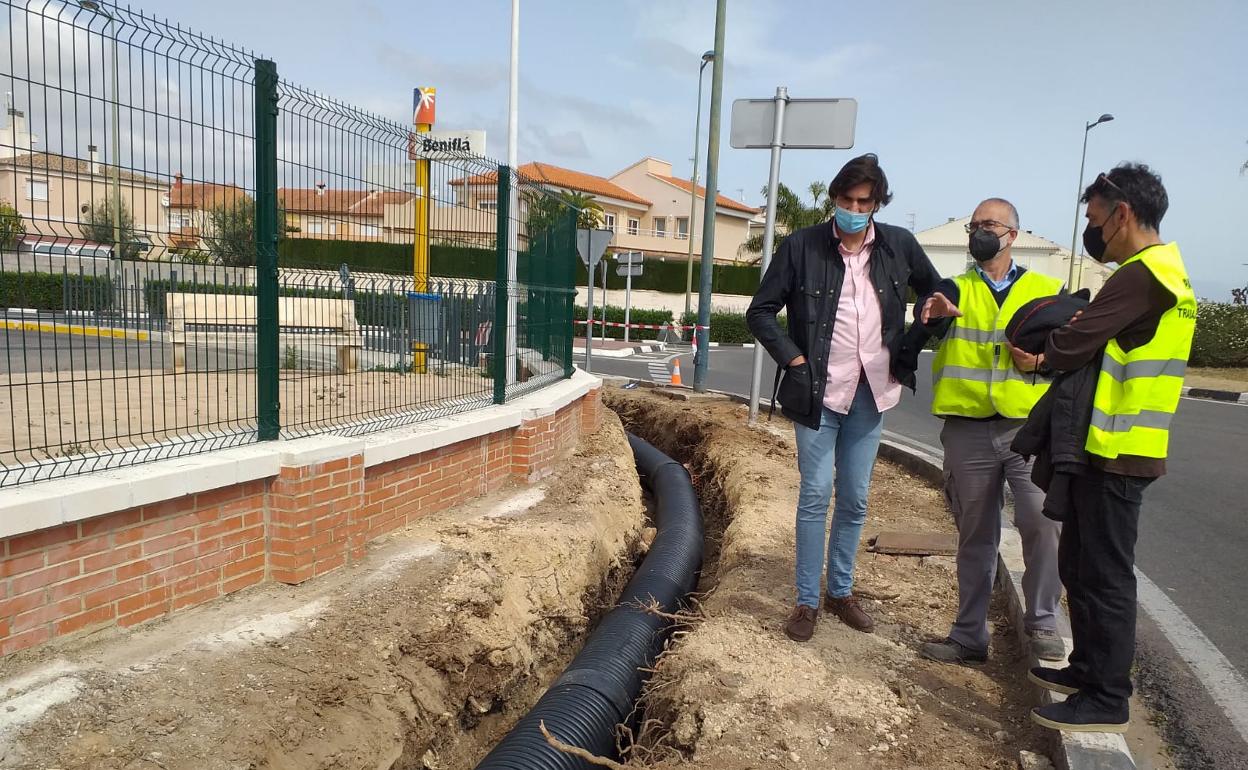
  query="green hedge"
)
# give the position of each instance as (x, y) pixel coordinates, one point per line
(1221, 335)
(371, 308)
(616, 315)
(669, 277)
(445, 261)
(47, 291)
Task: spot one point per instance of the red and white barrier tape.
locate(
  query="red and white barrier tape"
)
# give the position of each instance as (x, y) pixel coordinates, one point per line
(617, 325)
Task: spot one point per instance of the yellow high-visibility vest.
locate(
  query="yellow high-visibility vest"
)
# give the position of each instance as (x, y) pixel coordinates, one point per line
(973, 374)
(1137, 392)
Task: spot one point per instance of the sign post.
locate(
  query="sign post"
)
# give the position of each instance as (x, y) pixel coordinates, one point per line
(775, 124)
(590, 244)
(631, 263)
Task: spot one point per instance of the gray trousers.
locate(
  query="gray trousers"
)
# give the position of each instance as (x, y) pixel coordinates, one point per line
(978, 463)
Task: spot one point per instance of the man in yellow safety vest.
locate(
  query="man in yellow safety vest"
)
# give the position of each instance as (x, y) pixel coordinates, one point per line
(1138, 331)
(984, 400)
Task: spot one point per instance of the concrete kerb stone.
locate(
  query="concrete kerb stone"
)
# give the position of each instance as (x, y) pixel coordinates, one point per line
(1073, 751)
(1216, 395)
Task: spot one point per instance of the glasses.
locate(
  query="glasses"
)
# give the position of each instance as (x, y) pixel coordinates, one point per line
(987, 224)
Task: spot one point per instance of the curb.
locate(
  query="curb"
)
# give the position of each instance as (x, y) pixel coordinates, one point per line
(620, 352)
(1074, 751)
(1216, 395)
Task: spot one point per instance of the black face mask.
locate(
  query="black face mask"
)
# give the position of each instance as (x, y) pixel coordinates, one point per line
(1094, 240)
(984, 245)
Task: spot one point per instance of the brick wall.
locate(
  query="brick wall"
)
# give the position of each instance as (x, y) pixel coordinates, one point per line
(142, 563)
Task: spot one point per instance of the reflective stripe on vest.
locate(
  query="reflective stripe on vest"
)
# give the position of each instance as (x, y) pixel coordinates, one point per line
(1137, 392)
(973, 374)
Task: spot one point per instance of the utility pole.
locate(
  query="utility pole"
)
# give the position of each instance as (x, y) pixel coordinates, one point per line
(709, 206)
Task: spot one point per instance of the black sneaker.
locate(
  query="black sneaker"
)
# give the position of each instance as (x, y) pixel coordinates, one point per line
(1056, 679)
(1078, 714)
(949, 651)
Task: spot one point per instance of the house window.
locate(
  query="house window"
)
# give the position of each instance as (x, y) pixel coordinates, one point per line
(660, 227)
(608, 221)
(370, 231)
(682, 228)
(315, 227)
(179, 220)
(487, 205)
(37, 189)
(633, 226)
(333, 228)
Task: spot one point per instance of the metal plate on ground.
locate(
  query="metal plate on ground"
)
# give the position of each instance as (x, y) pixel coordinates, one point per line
(915, 544)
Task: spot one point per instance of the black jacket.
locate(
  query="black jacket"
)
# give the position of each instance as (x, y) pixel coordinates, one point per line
(805, 276)
(1058, 424)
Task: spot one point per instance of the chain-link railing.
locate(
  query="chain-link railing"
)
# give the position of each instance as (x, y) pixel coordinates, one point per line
(196, 254)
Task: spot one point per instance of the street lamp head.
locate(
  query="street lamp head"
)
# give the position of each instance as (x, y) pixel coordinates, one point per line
(709, 56)
(90, 5)
(1102, 119)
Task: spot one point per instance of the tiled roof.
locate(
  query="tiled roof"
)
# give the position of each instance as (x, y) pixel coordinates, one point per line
(194, 195)
(562, 177)
(720, 200)
(42, 161)
(346, 202)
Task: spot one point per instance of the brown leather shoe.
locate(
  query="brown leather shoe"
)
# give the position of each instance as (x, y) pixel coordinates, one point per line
(801, 624)
(850, 612)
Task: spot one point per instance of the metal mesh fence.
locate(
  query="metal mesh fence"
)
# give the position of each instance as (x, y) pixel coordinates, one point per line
(151, 180)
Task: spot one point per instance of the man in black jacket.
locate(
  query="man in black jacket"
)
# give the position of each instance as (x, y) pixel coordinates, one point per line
(844, 284)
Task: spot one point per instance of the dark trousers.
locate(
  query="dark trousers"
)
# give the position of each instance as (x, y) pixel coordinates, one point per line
(1096, 561)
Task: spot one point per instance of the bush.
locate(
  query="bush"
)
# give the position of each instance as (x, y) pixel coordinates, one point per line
(616, 315)
(669, 277)
(726, 328)
(50, 291)
(445, 261)
(371, 308)
(1221, 337)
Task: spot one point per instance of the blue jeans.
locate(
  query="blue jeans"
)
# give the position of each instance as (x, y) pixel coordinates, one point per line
(848, 441)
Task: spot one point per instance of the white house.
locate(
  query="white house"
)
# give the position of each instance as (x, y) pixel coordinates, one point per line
(946, 246)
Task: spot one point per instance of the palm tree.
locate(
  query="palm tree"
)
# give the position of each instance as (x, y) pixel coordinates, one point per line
(590, 215)
(792, 214)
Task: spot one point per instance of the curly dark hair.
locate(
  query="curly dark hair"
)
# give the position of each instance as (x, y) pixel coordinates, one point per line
(1136, 185)
(864, 168)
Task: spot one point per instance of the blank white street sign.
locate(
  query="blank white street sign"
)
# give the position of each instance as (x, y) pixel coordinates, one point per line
(628, 270)
(630, 257)
(809, 124)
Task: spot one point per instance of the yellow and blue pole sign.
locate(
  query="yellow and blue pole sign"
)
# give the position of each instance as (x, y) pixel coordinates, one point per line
(424, 106)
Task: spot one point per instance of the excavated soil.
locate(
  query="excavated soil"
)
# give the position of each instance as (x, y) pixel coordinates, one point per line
(420, 657)
(734, 692)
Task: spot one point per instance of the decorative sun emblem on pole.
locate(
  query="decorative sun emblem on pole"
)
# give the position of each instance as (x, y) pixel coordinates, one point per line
(423, 105)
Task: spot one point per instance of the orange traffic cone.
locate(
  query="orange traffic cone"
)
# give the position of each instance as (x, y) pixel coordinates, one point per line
(676, 372)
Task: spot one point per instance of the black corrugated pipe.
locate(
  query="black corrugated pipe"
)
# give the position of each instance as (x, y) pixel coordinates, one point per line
(599, 687)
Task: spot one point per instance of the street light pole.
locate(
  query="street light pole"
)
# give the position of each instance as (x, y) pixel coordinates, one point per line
(709, 205)
(707, 57)
(1070, 278)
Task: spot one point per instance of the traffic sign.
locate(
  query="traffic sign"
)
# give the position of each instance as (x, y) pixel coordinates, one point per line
(809, 124)
(591, 243)
(626, 271)
(630, 257)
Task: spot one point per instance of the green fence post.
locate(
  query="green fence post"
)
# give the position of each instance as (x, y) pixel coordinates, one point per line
(501, 289)
(564, 261)
(268, 399)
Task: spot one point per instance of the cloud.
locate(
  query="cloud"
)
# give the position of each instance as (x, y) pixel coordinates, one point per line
(561, 144)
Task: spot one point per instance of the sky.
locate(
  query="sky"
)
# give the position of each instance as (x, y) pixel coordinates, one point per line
(961, 100)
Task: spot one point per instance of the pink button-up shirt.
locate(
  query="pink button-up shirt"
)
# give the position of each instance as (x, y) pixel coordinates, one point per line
(857, 341)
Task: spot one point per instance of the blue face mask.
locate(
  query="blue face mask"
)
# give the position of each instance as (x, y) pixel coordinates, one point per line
(850, 221)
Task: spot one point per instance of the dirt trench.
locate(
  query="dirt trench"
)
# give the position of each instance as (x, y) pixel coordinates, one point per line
(421, 657)
(733, 692)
